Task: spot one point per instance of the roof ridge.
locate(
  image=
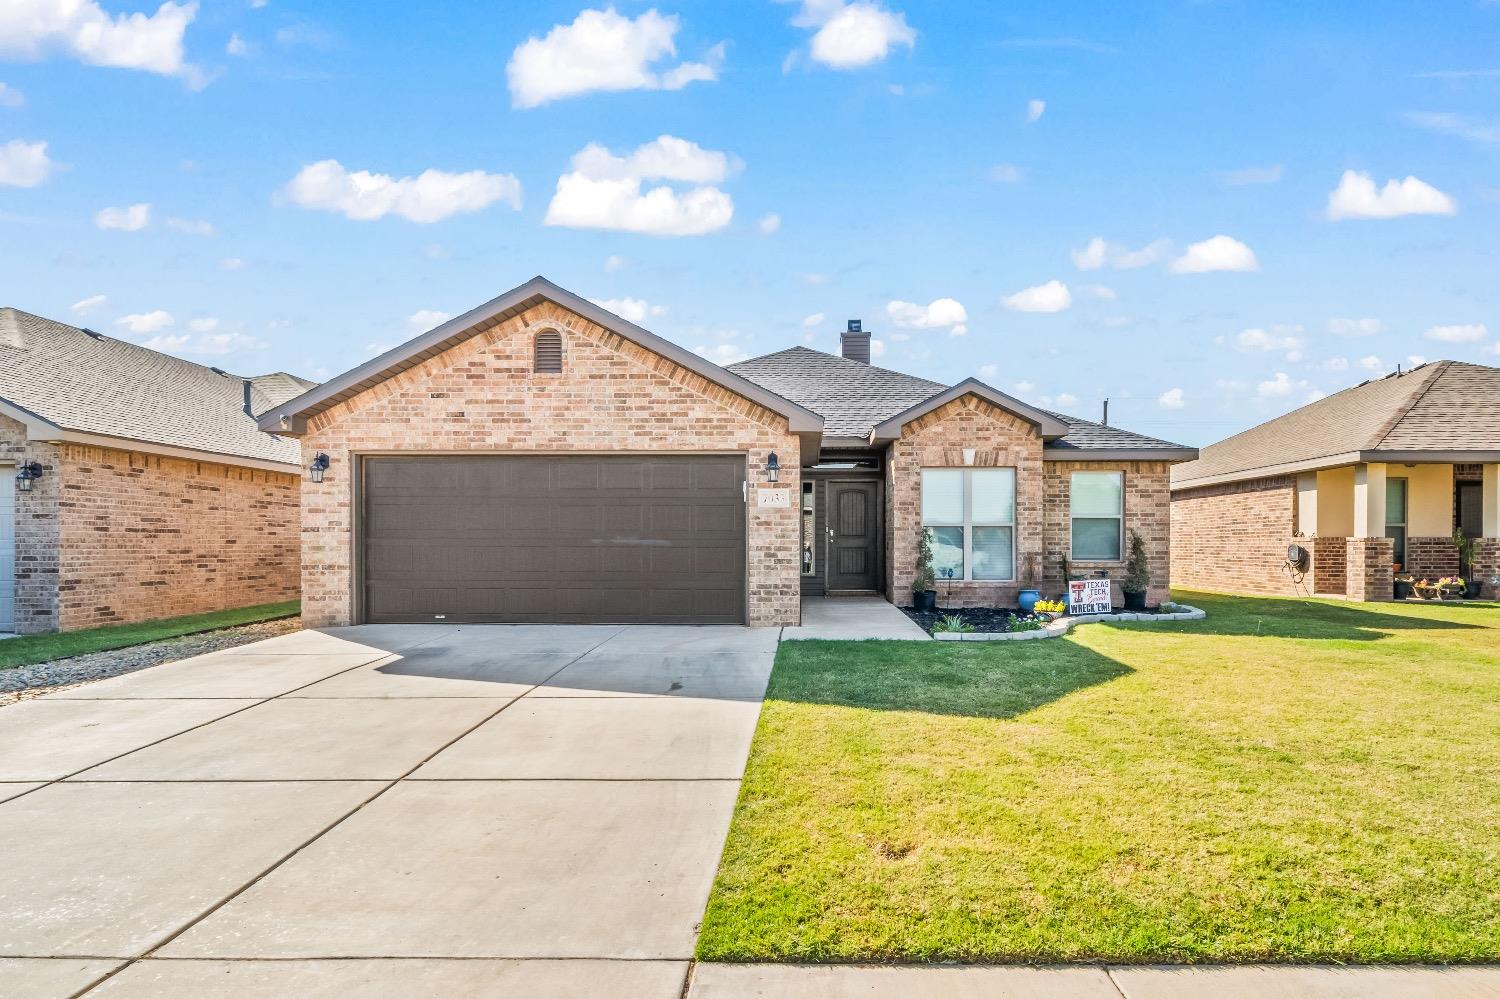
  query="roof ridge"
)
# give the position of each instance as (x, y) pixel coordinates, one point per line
(1390, 425)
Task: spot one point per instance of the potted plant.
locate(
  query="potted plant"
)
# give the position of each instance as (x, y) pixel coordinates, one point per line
(1403, 586)
(1137, 574)
(1029, 595)
(1465, 545)
(923, 596)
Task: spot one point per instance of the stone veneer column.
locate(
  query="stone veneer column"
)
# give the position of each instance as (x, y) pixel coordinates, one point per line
(1368, 568)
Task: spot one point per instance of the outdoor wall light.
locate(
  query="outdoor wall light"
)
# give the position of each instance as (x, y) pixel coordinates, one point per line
(318, 467)
(28, 473)
(773, 468)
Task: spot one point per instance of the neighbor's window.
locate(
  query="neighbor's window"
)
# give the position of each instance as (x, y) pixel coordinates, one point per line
(1395, 515)
(972, 515)
(1097, 500)
(809, 527)
(547, 352)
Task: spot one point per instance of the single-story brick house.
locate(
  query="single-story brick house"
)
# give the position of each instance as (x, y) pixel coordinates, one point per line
(1372, 477)
(135, 485)
(541, 459)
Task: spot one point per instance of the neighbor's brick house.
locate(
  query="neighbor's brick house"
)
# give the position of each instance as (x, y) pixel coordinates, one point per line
(1368, 479)
(151, 491)
(541, 459)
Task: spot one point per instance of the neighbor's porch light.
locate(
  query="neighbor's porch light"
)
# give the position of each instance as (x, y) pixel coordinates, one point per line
(318, 467)
(28, 473)
(773, 468)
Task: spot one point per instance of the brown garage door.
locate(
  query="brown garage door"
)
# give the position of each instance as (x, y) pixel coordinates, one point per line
(596, 539)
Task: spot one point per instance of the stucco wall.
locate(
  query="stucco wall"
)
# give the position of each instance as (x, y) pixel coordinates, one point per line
(482, 396)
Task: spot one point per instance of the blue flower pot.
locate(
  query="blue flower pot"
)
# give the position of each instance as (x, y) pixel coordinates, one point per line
(1027, 600)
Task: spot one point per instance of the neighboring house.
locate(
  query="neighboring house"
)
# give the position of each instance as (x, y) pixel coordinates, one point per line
(1375, 476)
(541, 459)
(134, 485)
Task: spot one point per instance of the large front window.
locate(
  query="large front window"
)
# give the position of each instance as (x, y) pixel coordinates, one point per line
(1098, 511)
(1395, 516)
(972, 515)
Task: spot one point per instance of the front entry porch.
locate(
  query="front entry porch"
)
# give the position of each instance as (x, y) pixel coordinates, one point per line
(853, 618)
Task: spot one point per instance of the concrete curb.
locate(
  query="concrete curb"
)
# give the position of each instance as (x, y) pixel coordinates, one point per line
(1063, 625)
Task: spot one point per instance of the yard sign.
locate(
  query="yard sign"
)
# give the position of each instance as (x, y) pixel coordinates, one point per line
(1089, 596)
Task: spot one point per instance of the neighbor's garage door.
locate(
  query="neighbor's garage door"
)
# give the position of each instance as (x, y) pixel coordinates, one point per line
(605, 539)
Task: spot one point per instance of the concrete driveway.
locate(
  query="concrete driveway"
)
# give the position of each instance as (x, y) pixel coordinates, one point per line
(420, 810)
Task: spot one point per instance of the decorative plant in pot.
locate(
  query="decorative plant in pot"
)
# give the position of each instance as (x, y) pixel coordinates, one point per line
(923, 596)
(1028, 596)
(1137, 574)
(1473, 585)
(1403, 585)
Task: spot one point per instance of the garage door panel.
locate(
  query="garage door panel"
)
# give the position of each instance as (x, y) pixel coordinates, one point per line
(554, 538)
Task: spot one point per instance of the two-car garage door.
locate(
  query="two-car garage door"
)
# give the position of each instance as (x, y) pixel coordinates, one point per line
(567, 539)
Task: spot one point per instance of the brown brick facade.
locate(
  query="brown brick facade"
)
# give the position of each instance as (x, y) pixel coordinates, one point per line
(482, 396)
(1043, 528)
(114, 537)
(1487, 565)
(1234, 537)
(1329, 565)
(1431, 557)
(1370, 573)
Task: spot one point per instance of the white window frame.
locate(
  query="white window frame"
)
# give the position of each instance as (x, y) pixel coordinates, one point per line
(811, 539)
(1118, 473)
(968, 523)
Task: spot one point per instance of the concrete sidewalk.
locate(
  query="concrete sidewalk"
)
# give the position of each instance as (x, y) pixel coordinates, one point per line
(853, 618)
(788, 981)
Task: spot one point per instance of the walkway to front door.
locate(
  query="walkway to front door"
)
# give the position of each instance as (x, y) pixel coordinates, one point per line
(853, 618)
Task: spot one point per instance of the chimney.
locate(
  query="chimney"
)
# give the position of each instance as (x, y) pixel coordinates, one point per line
(854, 343)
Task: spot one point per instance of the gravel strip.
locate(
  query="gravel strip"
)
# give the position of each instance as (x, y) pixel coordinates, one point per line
(25, 682)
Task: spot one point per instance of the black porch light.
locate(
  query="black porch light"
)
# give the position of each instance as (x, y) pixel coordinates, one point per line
(318, 467)
(28, 473)
(773, 468)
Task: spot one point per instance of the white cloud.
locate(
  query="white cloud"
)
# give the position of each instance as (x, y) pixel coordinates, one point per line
(24, 164)
(1219, 253)
(32, 29)
(816, 319)
(635, 310)
(1464, 333)
(1024, 387)
(237, 46)
(1357, 198)
(209, 344)
(1278, 338)
(940, 313)
(1066, 399)
(1171, 399)
(603, 191)
(132, 219)
(1050, 297)
(146, 322)
(1279, 386)
(603, 51)
(1372, 363)
(1099, 252)
(614, 262)
(1252, 175)
(1415, 360)
(1005, 173)
(231, 264)
(193, 227)
(89, 304)
(989, 370)
(1099, 292)
(877, 348)
(854, 34)
(1034, 110)
(769, 224)
(425, 319)
(206, 324)
(10, 97)
(1486, 133)
(1356, 327)
(813, 279)
(431, 196)
(1337, 364)
(722, 353)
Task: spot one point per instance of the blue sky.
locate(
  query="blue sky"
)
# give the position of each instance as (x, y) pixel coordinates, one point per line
(1208, 212)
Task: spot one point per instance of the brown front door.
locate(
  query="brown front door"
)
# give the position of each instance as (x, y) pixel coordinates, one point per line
(578, 539)
(1470, 513)
(853, 535)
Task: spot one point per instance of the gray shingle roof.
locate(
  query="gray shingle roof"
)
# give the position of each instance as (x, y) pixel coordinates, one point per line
(96, 384)
(1440, 406)
(853, 398)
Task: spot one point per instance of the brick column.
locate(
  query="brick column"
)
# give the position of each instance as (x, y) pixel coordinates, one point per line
(1368, 562)
(1487, 565)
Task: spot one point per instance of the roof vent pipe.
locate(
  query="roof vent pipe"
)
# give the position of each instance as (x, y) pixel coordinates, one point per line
(1105, 421)
(854, 343)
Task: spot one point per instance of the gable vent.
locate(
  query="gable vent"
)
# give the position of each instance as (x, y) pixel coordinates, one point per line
(547, 352)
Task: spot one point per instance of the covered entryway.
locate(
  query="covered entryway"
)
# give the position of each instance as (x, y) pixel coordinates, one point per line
(574, 539)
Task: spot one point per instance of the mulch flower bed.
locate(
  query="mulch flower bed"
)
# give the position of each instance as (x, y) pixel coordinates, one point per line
(982, 618)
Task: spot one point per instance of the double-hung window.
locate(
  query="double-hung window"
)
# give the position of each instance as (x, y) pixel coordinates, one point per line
(1097, 500)
(1395, 516)
(972, 515)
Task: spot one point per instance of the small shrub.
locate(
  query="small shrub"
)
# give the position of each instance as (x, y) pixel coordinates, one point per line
(1137, 568)
(952, 622)
(1025, 624)
(923, 580)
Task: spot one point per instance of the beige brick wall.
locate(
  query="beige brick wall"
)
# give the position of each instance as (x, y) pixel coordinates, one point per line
(1043, 527)
(144, 536)
(482, 396)
(1233, 537)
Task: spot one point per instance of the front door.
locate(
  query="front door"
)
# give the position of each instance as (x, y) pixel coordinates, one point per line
(1470, 513)
(853, 535)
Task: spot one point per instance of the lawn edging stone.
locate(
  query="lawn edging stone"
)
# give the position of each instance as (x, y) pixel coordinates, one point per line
(1063, 625)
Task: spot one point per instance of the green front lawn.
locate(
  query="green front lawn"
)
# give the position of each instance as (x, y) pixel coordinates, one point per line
(1289, 780)
(30, 649)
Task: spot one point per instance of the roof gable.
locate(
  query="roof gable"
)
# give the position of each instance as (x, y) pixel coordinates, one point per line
(1048, 427)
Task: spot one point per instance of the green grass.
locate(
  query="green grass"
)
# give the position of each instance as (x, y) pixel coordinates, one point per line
(1289, 780)
(30, 649)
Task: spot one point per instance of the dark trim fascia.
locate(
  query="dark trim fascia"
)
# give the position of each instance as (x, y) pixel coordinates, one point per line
(1432, 457)
(1167, 454)
(1391, 457)
(1048, 426)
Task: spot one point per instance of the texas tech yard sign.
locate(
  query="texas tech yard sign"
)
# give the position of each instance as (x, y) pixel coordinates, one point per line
(1089, 596)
